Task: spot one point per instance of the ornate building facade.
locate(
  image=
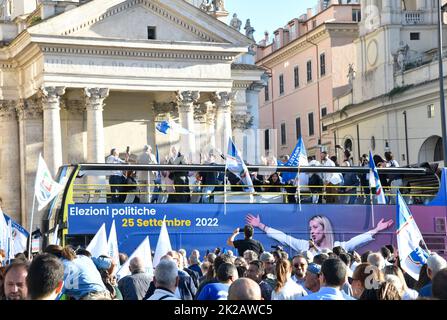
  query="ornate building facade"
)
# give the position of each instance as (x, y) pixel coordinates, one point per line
(81, 77)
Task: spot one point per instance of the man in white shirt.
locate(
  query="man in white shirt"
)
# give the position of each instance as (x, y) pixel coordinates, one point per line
(116, 177)
(330, 179)
(147, 177)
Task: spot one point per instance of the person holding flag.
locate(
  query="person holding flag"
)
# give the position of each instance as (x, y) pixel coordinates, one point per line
(412, 255)
(236, 165)
(374, 182)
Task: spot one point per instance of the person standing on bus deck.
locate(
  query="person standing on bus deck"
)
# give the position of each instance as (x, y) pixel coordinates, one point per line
(116, 177)
(321, 235)
(394, 180)
(330, 179)
(147, 178)
(247, 243)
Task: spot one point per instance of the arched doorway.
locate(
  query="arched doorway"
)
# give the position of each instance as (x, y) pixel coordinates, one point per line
(431, 150)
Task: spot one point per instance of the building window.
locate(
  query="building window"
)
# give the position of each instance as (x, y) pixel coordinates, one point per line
(322, 64)
(309, 71)
(314, 24)
(296, 76)
(266, 92)
(323, 113)
(356, 15)
(277, 41)
(310, 117)
(151, 33)
(415, 35)
(283, 134)
(292, 32)
(267, 139)
(431, 111)
(298, 127)
(281, 84)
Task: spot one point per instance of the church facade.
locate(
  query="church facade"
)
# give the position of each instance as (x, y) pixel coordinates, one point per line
(81, 77)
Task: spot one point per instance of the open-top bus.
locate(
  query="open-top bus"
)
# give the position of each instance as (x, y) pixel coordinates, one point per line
(87, 202)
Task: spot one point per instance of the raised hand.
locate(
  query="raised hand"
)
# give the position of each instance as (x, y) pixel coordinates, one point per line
(253, 221)
(382, 225)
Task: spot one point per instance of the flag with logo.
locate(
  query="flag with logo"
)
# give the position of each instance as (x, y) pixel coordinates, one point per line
(143, 251)
(4, 232)
(45, 188)
(236, 165)
(13, 237)
(374, 181)
(98, 246)
(163, 244)
(409, 240)
(112, 244)
(298, 158)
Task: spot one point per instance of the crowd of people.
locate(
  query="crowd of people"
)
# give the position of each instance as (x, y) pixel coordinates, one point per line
(184, 187)
(251, 273)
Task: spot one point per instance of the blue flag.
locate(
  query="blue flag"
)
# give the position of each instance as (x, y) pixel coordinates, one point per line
(167, 127)
(409, 240)
(297, 158)
(374, 181)
(236, 165)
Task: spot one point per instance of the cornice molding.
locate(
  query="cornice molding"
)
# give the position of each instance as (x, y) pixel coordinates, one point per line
(326, 30)
(152, 54)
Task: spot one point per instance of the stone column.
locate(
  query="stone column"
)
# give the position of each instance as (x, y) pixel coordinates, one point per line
(29, 114)
(210, 119)
(52, 138)
(94, 101)
(223, 102)
(185, 104)
(9, 159)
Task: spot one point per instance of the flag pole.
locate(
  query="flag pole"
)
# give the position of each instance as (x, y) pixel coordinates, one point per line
(31, 228)
(299, 188)
(372, 206)
(225, 190)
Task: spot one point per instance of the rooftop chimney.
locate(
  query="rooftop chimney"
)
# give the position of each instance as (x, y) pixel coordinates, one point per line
(309, 13)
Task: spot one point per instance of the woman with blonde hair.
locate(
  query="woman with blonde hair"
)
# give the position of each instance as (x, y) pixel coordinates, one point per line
(286, 288)
(321, 234)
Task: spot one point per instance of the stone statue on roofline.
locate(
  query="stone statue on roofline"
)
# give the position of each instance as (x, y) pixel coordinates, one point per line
(207, 6)
(236, 23)
(249, 30)
(219, 5)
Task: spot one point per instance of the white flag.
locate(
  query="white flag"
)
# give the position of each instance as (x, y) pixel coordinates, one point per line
(112, 244)
(98, 246)
(4, 231)
(45, 188)
(409, 240)
(163, 244)
(144, 252)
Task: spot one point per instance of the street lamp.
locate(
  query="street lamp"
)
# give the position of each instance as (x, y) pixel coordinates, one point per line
(441, 82)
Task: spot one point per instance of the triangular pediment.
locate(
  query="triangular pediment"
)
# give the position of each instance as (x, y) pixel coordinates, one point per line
(171, 20)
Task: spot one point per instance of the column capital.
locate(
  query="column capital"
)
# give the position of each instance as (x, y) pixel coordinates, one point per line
(29, 109)
(7, 110)
(241, 121)
(224, 100)
(185, 100)
(51, 96)
(94, 97)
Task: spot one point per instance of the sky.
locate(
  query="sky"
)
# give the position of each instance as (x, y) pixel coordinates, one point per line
(267, 14)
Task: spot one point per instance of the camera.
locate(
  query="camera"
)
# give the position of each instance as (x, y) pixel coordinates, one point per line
(278, 248)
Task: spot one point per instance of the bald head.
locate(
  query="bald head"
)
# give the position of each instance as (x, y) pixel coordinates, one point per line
(244, 289)
(137, 265)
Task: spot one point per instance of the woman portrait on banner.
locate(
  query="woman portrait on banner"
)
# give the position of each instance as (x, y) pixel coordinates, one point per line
(321, 235)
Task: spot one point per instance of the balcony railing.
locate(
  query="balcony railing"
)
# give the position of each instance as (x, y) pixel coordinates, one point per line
(413, 17)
